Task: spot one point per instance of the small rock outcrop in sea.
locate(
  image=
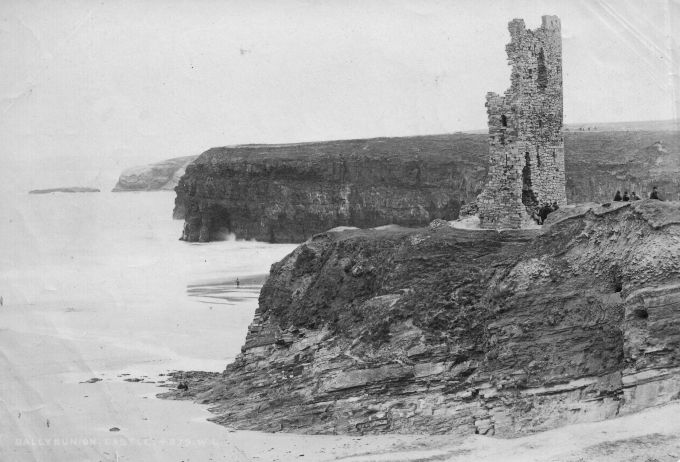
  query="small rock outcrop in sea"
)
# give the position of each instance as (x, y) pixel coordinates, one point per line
(458, 331)
(287, 193)
(162, 175)
(69, 189)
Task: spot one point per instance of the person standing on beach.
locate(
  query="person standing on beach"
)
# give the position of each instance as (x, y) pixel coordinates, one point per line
(238, 283)
(2, 301)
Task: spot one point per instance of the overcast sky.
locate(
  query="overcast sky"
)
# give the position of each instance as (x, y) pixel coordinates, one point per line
(90, 87)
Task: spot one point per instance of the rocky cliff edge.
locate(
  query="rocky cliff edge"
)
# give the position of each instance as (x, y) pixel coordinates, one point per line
(461, 331)
(287, 193)
(158, 176)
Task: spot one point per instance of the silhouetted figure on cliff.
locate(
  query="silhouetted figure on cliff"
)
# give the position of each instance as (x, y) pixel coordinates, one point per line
(626, 197)
(617, 196)
(634, 197)
(654, 194)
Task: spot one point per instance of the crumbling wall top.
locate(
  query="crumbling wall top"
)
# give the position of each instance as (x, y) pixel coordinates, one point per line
(516, 27)
(551, 22)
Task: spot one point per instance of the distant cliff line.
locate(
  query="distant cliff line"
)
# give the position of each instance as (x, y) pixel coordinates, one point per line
(289, 192)
(164, 175)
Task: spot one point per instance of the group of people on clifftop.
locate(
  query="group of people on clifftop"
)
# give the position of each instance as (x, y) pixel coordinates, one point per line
(626, 198)
(540, 212)
(634, 197)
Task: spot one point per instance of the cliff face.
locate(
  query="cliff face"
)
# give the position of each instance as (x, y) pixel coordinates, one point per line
(153, 177)
(600, 163)
(290, 192)
(458, 331)
(287, 193)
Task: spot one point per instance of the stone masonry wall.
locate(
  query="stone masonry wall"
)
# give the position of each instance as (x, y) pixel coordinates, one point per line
(526, 146)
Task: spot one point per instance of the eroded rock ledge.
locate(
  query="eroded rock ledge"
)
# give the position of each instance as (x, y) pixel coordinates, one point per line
(460, 331)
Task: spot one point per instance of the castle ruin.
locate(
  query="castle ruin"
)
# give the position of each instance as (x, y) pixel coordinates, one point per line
(526, 146)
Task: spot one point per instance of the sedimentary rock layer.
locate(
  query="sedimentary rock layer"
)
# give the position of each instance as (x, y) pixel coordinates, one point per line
(461, 331)
(287, 193)
(153, 177)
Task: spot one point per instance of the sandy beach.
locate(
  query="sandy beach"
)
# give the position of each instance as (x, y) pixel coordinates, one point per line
(51, 413)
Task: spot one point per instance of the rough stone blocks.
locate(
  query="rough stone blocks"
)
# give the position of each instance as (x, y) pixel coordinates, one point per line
(526, 146)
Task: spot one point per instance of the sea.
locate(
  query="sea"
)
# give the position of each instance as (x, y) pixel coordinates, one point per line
(118, 258)
(100, 301)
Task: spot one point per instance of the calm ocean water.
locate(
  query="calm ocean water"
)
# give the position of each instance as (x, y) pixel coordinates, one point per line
(111, 263)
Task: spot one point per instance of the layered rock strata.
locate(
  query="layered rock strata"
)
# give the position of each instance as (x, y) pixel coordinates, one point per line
(287, 193)
(445, 330)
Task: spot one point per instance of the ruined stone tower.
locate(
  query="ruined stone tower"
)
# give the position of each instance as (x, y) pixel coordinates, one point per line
(526, 147)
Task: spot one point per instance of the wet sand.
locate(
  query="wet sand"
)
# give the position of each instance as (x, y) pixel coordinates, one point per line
(226, 291)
